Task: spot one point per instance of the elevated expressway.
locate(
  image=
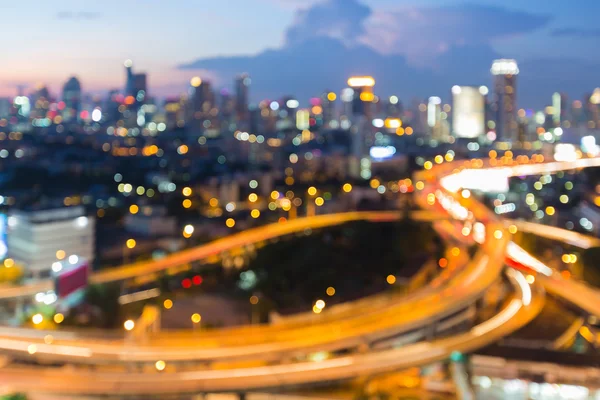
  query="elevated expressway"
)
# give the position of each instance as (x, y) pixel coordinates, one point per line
(347, 326)
(432, 304)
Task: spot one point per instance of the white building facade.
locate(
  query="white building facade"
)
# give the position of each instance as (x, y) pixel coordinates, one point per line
(35, 237)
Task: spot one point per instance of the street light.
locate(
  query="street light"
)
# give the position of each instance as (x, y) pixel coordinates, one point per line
(129, 325)
(59, 318)
(129, 245)
(37, 319)
(188, 230)
(196, 318)
(160, 365)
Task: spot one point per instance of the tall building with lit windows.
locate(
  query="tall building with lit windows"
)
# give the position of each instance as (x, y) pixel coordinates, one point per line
(361, 128)
(362, 101)
(328, 104)
(202, 99)
(468, 111)
(505, 98)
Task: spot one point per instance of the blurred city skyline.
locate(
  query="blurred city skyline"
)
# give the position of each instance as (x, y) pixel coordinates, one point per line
(415, 49)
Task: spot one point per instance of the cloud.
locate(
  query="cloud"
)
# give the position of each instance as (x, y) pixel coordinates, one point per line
(292, 4)
(340, 19)
(81, 15)
(576, 32)
(421, 33)
(413, 52)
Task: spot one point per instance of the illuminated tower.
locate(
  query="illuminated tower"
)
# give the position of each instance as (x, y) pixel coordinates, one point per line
(505, 98)
(363, 96)
(361, 120)
(468, 111)
(129, 80)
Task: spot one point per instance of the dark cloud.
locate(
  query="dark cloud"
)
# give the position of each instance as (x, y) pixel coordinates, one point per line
(81, 15)
(576, 32)
(341, 19)
(421, 33)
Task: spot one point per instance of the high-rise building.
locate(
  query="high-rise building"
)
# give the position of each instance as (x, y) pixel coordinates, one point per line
(328, 105)
(201, 102)
(5, 106)
(72, 99)
(363, 96)
(468, 111)
(505, 98)
(242, 89)
(559, 108)
(129, 91)
(361, 124)
(140, 88)
(434, 117)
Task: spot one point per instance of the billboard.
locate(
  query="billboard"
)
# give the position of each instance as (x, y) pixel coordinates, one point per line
(468, 117)
(71, 279)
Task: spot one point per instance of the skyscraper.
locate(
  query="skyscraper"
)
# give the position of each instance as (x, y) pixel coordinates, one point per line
(468, 111)
(361, 124)
(505, 98)
(72, 99)
(242, 88)
(201, 102)
(128, 78)
(363, 96)
(140, 88)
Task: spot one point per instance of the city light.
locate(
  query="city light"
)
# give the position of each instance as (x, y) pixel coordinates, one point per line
(188, 230)
(347, 187)
(58, 318)
(196, 318)
(254, 300)
(37, 319)
(129, 325)
(196, 81)
(391, 279)
(131, 243)
(361, 81)
(330, 291)
(160, 365)
(230, 222)
(312, 191)
(168, 304)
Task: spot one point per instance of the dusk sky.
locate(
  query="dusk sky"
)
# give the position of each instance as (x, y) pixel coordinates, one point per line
(47, 42)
